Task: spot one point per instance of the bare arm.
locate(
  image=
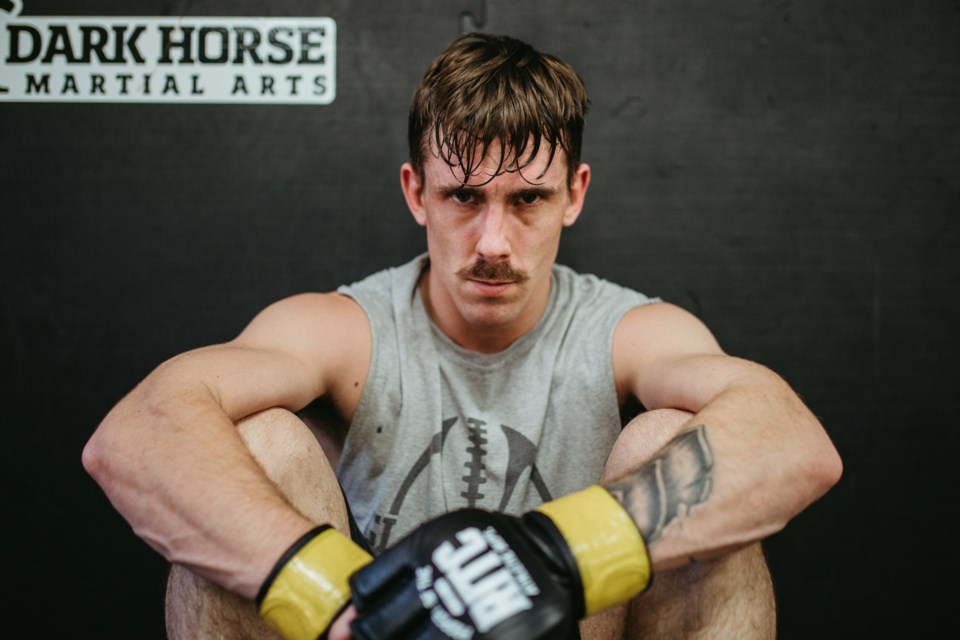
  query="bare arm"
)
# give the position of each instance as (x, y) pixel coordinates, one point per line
(752, 456)
(170, 460)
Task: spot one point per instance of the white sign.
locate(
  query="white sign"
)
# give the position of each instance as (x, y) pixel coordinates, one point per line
(167, 60)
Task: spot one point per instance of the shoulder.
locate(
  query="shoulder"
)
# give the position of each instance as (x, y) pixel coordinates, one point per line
(306, 312)
(652, 339)
(402, 277)
(325, 336)
(303, 315)
(663, 327)
(588, 289)
(318, 328)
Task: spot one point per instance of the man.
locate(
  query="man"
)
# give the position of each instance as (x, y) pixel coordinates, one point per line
(490, 461)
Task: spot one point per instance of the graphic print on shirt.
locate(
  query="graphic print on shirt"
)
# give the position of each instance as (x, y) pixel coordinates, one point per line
(474, 484)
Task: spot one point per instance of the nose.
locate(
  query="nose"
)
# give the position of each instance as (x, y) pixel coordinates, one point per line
(493, 245)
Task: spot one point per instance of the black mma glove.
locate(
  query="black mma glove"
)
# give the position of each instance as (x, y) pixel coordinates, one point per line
(308, 586)
(473, 574)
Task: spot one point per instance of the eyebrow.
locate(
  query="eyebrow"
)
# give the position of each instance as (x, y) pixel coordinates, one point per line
(543, 192)
(451, 190)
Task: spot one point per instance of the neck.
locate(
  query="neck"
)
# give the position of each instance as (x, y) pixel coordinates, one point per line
(475, 336)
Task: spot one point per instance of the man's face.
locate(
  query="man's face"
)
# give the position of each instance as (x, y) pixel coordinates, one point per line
(492, 243)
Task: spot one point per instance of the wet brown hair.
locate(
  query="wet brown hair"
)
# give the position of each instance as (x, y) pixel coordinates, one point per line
(483, 89)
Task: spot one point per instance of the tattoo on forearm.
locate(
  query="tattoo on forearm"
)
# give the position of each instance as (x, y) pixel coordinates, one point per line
(670, 485)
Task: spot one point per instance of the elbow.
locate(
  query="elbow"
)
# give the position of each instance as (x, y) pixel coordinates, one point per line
(95, 456)
(115, 450)
(112, 453)
(90, 458)
(829, 468)
(825, 466)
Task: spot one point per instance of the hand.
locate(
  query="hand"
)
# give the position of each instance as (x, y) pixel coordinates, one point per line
(340, 627)
(308, 587)
(473, 574)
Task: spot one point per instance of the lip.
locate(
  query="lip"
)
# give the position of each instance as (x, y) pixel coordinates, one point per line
(491, 289)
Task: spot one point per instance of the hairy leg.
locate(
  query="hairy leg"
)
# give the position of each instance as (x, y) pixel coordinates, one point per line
(727, 597)
(293, 459)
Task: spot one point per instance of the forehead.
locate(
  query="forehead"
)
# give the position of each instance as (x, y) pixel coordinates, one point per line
(497, 164)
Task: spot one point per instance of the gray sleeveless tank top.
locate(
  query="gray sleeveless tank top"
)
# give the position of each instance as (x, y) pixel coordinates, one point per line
(439, 427)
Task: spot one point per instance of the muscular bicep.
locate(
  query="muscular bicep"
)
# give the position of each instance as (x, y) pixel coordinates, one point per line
(665, 357)
(292, 352)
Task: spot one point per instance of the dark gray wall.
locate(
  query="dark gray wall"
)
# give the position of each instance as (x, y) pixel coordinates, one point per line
(790, 172)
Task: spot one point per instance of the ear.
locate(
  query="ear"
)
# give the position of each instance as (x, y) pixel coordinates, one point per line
(578, 192)
(412, 187)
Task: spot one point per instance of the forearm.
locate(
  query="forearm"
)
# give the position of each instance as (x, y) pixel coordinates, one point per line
(171, 462)
(747, 460)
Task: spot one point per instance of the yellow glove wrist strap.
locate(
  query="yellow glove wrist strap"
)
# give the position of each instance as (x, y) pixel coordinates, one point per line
(609, 550)
(312, 587)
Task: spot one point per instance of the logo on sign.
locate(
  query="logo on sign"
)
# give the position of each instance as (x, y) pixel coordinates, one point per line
(176, 60)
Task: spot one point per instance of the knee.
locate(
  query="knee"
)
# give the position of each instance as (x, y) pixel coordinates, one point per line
(730, 596)
(292, 458)
(641, 439)
(279, 441)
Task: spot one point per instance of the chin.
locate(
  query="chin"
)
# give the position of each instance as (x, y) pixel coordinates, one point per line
(490, 313)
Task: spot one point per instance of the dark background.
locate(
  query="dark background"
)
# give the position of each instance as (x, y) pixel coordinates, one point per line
(788, 171)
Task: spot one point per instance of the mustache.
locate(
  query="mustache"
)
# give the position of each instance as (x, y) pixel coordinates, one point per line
(492, 272)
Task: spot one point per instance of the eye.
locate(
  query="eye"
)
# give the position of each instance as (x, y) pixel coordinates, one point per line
(463, 196)
(529, 198)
